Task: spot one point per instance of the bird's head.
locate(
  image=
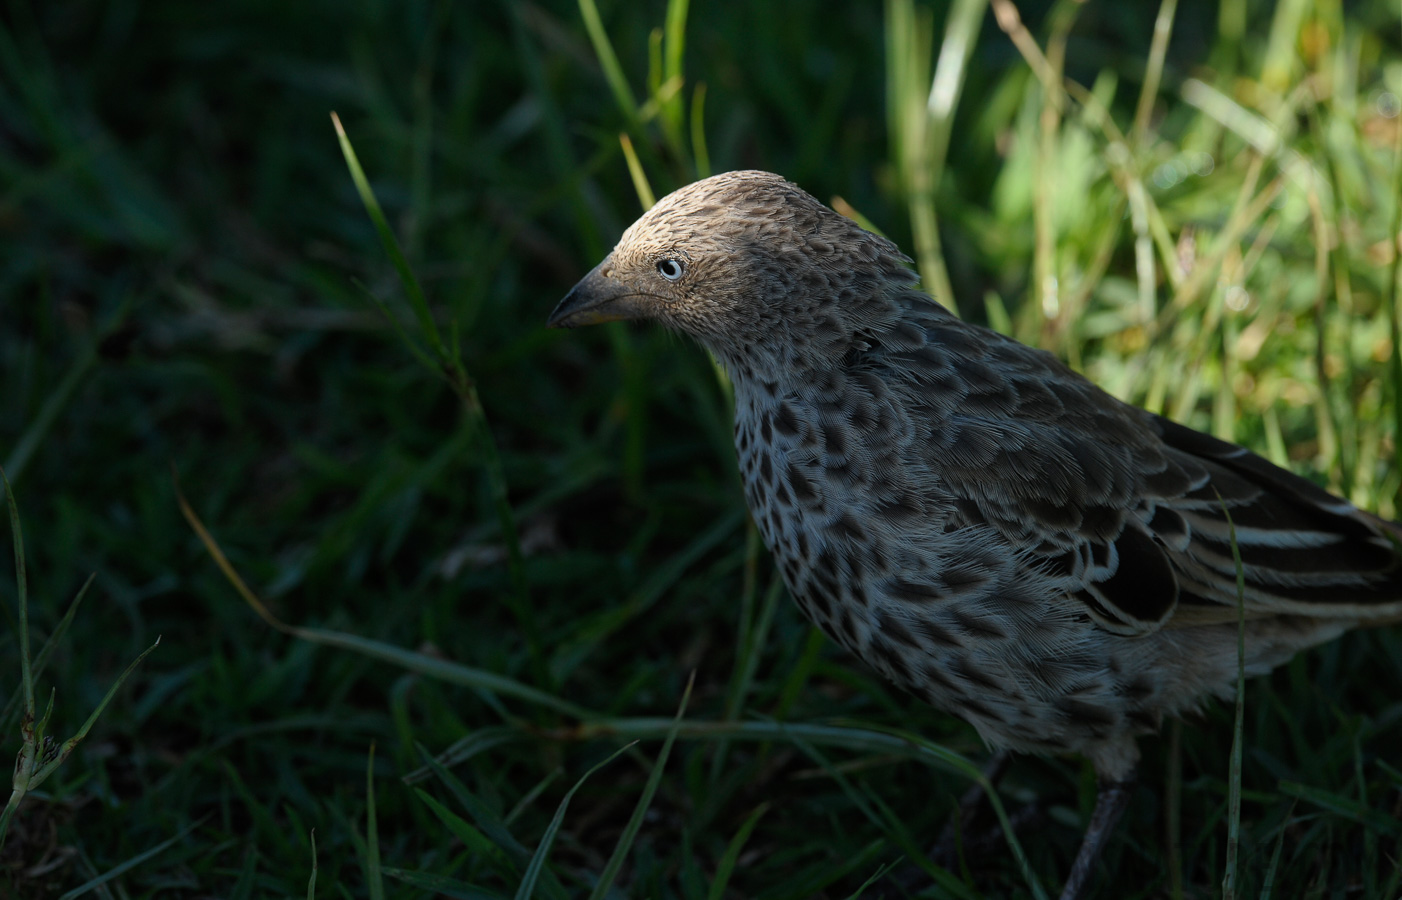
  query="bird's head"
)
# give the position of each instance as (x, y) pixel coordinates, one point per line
(751, 266)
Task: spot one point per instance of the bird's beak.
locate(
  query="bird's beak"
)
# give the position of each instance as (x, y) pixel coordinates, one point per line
(599, 297)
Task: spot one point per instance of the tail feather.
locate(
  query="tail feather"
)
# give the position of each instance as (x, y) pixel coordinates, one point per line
(1303, 551)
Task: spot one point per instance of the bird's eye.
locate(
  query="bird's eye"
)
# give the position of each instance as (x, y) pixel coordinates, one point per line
(670, 268)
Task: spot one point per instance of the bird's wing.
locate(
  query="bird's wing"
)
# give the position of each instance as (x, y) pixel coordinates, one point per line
(1303, 551)
(1130, 510)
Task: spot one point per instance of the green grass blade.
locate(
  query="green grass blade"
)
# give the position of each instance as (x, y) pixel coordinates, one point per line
(665, 575)
(441, 669)
(751, 649)
(1153, 70)
(1173, 809)
(374, 877)
(433, 667)
(635, 821)
(117, 871)
(22, 593)
(417, 302)
(519, 599)
(466, 747)
(40, 773)
(557, 127)
(875, 740)
(485, 818)
(435, 885)
(851, 737)
(753, 634)
(473, 840)
(879, 814)
(871, 740)
(1268, 882)
(45, 652)
(1347, 807)
(699, 153)
(1230, 876)
(726, 866)
(957, 762)
(311, 882)
(492, 826)
(1395, 881)
(876, 876)
(449, 362)
(806, 884)
(33, 435)
(951, 69)
(1394, 315)
(1280, 49)
(532, 795)
(537, 864)
(107, 698)
(654, 67)
(674, 50)
(675, 43)
(417, 351)
(613, 72)
(912, 121)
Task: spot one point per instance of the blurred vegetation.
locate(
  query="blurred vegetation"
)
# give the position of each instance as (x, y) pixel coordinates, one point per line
(513, 547)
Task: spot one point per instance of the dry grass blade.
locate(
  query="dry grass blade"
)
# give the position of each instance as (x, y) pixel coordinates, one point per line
(635, 169)
(1010, 21)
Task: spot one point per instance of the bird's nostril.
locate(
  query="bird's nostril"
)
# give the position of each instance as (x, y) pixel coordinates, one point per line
(607, 272)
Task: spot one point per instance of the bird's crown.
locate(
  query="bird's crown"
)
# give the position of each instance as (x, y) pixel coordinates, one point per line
(751, 265)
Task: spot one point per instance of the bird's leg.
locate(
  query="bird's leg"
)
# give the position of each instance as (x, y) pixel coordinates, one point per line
(970, 805)
(1110, 802)
(946, 851)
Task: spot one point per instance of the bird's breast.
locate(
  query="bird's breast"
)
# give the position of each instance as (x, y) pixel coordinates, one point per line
(832, 494)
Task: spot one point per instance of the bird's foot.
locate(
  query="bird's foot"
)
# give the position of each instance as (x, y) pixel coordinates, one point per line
(975, 839)
(1110, 803)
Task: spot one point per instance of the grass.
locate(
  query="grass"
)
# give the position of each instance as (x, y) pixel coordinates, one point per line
(510, 549)
(40, 753)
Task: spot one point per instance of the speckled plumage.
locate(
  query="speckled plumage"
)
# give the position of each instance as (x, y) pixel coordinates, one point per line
(975, 521)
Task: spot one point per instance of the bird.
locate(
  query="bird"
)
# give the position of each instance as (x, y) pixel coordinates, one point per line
(968, 516)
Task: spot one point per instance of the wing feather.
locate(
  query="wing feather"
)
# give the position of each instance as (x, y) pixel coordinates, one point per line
(1129, 509)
